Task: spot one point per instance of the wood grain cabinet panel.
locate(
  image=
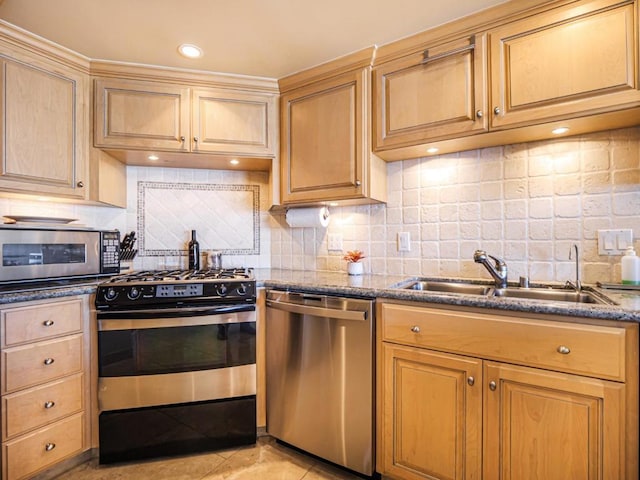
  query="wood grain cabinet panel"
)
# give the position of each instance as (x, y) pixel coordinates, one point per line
(432, 414)
(43, 448)
(142, 115)
(579, 59)
(147, 115)
(40, 322)
(324, 130)
(542, 424)
(233, 123)
(45, 384)
(438, 374)
(43, 128)
(440, 92)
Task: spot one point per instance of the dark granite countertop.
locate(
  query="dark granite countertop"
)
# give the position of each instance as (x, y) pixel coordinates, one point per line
(377, 286)
(385, 286)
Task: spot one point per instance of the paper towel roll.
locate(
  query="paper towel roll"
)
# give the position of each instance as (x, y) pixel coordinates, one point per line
(308, 217)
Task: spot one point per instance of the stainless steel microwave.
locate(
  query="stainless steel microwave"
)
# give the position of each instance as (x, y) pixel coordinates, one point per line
(30, 253)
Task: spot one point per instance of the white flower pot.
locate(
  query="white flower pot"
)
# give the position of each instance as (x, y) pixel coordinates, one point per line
(355, 268)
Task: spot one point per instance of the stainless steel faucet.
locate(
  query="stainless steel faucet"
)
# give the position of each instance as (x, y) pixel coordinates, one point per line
(577, 286)
(498, 272)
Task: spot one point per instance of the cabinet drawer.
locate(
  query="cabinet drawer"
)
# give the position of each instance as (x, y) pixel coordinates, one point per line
(590, 350)
(33, 408)
(31, 453)
(41, 362)
(39, 322)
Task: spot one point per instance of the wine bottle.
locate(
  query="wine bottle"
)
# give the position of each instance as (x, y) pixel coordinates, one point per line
(194, 252)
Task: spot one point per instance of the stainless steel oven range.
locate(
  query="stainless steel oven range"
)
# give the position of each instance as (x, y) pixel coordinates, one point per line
(176, 363)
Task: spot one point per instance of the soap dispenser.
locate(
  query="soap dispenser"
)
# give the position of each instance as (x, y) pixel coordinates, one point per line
(630, 267)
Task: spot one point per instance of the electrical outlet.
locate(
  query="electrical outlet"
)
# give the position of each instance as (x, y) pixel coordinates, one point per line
(334, 241)
(404, 241)
(614, 242)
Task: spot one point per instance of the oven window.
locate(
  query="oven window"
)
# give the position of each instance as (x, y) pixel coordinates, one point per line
(175, 349)
(21, 254)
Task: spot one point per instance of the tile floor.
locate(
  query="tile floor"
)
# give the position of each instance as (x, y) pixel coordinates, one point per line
(268, 460)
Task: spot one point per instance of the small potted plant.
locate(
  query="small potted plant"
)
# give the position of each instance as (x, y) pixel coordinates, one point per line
(353, 257)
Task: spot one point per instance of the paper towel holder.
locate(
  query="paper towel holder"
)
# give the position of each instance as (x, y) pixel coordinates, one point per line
(322, 210)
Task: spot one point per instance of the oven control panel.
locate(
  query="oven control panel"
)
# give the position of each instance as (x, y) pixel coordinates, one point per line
(179, 290)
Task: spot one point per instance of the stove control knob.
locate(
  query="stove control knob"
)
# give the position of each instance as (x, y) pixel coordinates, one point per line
(222, 290)
(134, 292)
(242, 289)
(110, 294)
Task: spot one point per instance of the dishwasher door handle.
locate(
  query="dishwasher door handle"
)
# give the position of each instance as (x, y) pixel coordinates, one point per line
(318, 311)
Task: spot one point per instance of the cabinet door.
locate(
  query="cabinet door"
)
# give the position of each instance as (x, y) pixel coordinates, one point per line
(141, 115)
(573, 60)
(233, 123)
(431, 95)
(43, 127)
(543, 424)
(322, 139)
(431, 415)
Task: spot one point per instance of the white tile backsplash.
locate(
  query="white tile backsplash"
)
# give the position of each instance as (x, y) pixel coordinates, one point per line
(528, 203)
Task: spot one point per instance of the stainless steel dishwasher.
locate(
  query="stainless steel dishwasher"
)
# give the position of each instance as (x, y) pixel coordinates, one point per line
(320, 390)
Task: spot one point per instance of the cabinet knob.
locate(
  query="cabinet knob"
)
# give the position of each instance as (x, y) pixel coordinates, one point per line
(49, 446)
(80, 184)
(415, 329)
(49, 404)
(492, 386)
(48, 361)
(358, 183)
(182, 139)
(471, 381)
(479, 114)
(195, 139)
(497, 110)
(48, 323)
(564, 350)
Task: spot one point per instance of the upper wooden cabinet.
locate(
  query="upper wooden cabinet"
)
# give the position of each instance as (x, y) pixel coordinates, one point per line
(508, 74)
(441, 91)
(324, 130)
(145, 115)
(579, 59)
(43, 121)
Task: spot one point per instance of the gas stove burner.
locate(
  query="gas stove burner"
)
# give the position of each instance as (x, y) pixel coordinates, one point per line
(181, 275)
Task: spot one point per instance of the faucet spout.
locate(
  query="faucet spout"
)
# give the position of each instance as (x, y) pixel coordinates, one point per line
(577, 286)
(498, 270)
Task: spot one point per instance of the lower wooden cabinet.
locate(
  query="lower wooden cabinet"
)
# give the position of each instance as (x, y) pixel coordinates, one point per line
(490, 415)
(45, 388)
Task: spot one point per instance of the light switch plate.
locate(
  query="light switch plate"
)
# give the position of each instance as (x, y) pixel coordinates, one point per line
(614, 242)
(334, 241)
(404, 241)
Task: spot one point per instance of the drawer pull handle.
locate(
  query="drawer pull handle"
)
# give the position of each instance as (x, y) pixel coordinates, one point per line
(415, 329)
(564, 350)
(471, 381)
(48, 361)
(48, 323)
(492, 386)
(49, 404)
(49, 446)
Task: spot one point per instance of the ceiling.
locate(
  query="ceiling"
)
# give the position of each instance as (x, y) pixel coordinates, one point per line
(269, 38)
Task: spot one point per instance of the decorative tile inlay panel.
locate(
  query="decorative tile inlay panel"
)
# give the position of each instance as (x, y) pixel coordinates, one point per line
(226, 218)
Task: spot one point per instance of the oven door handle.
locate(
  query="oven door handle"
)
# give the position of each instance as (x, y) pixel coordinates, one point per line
(136, 320)
(174, 312)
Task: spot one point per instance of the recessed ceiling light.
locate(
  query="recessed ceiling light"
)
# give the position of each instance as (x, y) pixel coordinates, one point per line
(190, 51)
(153, 158)
(432, 150)
(234, 162)
(560, 130)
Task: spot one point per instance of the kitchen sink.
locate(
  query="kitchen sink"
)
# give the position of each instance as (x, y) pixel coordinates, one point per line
(534, 293)
(450, 287)
(549, 294)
